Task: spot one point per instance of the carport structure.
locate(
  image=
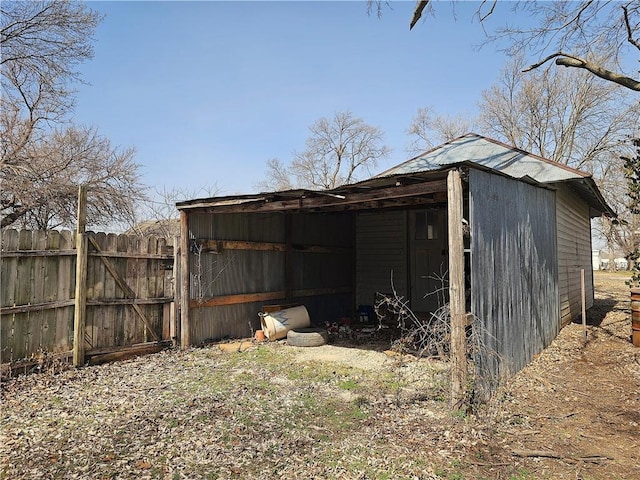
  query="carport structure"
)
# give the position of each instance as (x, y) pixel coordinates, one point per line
(509, 230)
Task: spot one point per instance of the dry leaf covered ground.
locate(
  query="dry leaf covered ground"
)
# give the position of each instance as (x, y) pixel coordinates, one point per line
(274, 411)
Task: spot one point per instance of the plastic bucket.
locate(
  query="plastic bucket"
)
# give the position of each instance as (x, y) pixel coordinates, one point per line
(275, 325)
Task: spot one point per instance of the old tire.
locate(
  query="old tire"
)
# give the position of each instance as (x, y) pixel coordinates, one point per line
(307, 337)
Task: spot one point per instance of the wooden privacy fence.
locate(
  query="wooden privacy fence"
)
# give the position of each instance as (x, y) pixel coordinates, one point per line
(129, 294)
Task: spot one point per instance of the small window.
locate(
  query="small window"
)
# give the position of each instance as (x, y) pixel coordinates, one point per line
(427, 225)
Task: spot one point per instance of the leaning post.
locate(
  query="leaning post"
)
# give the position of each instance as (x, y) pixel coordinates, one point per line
(80, 309)
(456, 290)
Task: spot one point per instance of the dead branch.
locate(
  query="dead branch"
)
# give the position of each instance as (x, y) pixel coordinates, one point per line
(550, 454)
(576, 62)
(627, 23)
(417, 12)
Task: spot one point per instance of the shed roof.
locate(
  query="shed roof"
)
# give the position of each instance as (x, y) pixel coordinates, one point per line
(489, 153)
(420, 176)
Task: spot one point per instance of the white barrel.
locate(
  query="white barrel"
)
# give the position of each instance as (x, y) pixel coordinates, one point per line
(275, 325)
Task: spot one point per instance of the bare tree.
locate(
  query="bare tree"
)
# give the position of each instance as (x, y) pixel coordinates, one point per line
(574, 34)
(337, 149)
(43, 156)
(42, 44)
(429, 129)
(576, 121)
(580, 122)
(278, 177)
(158, 215)
(43, 194)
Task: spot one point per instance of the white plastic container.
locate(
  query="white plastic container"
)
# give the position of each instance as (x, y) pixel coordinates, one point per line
(275, 325)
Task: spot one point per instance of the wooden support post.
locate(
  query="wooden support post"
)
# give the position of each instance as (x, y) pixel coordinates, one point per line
(183, 285)
(456, 290)
(80, 311)
(288, 260)
(584, 304)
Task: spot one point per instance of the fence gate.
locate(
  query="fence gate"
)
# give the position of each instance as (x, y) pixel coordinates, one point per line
(130, 285)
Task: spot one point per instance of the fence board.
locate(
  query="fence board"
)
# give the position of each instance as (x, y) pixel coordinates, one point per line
(111, 324)
(38, 286)
(50, 289)
(36, 319)
(8, 292)
(66, 285)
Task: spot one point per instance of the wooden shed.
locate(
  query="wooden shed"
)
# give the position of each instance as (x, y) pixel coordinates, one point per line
(513, 227)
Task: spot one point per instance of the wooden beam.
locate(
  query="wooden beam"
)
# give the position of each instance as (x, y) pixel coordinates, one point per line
(266, 296)
(218, 246)
(105, 355)
(126, 289)
(312, 201)
(185, 332)
(80, 311)
(36, 307)
(456, 290)
(236, 299)
(62, 253)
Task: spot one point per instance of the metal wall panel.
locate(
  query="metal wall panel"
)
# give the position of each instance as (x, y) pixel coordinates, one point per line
(574, 252)
(381, 248)
(238, 272)
(514, 273)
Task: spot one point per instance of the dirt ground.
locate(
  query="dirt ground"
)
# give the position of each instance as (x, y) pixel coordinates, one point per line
(578, 404)
(339, 411)
(573, 413)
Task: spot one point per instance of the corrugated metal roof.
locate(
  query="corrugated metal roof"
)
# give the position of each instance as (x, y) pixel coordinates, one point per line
(475, 149)
(491, 154)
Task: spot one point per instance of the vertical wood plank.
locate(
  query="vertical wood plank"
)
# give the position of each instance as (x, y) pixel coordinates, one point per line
(81, 280)
(66, 285)
(38, 242)
(288, 259)
(164, 289)
(50, 290)
(185, 337)
(101, 313)
(110, 324)
(144, 282)
(123, 314)
(175, 288)
(134, 332)
(456, 289)
(22, 327)
(8, 284)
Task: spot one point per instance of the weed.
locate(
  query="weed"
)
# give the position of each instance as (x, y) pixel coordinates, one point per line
(349, 384)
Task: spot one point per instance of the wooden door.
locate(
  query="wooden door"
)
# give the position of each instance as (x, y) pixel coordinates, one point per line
(428, 259)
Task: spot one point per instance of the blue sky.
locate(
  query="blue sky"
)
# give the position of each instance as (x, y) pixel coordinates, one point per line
(208, 91)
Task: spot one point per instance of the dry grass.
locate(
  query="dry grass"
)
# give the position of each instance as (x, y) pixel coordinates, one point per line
(275, 412)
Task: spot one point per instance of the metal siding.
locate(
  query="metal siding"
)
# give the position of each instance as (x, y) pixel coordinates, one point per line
(244, 271)
(233, 271)
(574, 253)
(381, 248)
(513, 269)
(323, 270)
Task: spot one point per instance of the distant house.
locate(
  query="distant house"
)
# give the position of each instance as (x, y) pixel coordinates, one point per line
(595, 260)
(525, 229)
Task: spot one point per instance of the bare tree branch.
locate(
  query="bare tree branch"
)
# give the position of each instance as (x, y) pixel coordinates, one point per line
(627, 23)
(417, 12)
(599, 71)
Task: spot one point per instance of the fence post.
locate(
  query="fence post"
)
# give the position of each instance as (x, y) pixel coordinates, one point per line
(185, 328)
(456, 290)
(80, 311)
